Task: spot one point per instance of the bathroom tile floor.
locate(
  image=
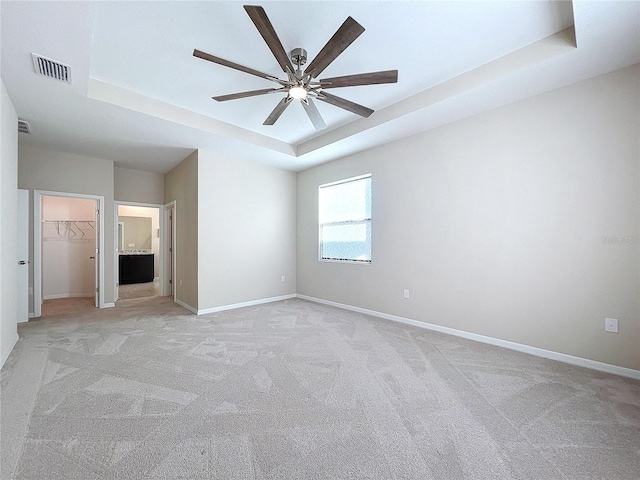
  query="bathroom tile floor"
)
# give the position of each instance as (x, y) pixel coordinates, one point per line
(138, 290)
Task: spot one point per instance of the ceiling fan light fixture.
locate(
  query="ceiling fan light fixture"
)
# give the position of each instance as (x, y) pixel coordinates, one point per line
(299, 93)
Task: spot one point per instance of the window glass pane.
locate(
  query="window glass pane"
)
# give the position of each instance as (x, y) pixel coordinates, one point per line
(345, 220)
(346, 201)
(347, 242)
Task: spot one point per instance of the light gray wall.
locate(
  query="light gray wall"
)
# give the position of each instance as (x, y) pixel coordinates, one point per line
(181, 185)
(138, 187)
(40, 169)
(246, 231)
(8, 222)
(519, 224)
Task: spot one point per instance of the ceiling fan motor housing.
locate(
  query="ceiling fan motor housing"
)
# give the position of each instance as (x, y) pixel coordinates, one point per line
(299, 56)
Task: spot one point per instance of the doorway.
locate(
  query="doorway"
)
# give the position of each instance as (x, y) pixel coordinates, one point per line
(139, 263)
(68, 251)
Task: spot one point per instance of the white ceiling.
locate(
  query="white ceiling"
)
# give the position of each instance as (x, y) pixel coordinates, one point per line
(140, 98)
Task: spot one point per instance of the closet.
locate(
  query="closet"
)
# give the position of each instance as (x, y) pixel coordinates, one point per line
(68, 247)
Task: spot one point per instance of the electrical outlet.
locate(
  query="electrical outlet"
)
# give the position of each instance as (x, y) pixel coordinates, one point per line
(611, 325)
(283, 278)
(405, 294)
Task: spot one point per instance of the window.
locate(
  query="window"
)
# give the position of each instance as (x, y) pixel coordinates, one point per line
(345, 220)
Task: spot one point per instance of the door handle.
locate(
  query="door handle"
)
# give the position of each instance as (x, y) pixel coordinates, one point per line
(22, 262)
(92, 258)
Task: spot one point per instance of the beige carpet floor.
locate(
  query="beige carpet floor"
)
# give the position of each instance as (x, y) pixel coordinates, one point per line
(296, 390)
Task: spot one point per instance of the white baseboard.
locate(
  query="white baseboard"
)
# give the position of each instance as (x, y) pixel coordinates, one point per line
(6, 354)
(67, 295)
(539, 352)
(187, 306)
(109, 305)
(245, 304)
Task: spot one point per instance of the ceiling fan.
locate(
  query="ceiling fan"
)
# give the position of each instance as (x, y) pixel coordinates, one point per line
(302, 85)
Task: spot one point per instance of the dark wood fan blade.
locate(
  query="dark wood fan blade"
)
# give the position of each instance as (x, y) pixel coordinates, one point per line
(252, 93)
(346, 104)
(344, 36)
(275, 115)
(262, 23)
(314, 114)
(235, 66)
(373, 78)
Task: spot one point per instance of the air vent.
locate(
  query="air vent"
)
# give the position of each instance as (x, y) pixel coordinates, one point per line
(51, 68)
(23, 127)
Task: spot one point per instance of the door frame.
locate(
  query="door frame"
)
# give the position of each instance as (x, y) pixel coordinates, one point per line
(37, 245)
(116, 266)
(170, 224)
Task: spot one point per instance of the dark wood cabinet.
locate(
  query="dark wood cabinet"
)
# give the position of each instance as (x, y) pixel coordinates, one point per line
(136, 268)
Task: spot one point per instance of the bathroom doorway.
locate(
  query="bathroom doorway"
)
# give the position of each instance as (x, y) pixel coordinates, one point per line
(138, 262)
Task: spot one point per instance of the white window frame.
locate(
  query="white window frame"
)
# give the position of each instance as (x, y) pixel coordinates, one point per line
(345, 260)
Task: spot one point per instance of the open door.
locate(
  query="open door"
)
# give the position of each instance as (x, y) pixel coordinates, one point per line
(169, 248)
(23, 256)
(96, 256)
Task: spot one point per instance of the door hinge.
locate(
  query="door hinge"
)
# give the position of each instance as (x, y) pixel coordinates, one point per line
(97, 289)
(170, 281)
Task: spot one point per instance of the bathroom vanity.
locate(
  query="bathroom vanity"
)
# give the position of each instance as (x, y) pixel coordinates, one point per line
(135, 268)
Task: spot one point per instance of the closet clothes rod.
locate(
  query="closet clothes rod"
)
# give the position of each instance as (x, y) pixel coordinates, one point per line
(76, 221)
(88, 222)
(70, 227)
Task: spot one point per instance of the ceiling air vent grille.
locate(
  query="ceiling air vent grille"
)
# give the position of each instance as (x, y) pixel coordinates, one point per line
(51, 68)
(23, 127)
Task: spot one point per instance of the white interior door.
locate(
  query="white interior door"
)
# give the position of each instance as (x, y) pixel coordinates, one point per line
(169, 248)
(23, 256)
(97, 256)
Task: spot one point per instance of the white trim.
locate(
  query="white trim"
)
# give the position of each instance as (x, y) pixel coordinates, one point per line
(31, 315)
(538, 352)
(345, 180)
(68, 295)
(119, 233)
(37, 244)
(244, 304)
(5, 355)
(109, 305)
(185, 305)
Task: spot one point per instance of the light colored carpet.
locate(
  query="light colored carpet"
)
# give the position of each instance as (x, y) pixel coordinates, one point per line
(296, 390)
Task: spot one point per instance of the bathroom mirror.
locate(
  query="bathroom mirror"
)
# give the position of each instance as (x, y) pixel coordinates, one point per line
(136, 233)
